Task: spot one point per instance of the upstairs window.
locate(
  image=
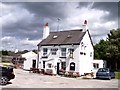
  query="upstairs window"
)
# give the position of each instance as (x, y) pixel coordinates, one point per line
(54, 51)
(71, 52)
(63, 52)
(82, 45)
(90, 54)
(45, 51)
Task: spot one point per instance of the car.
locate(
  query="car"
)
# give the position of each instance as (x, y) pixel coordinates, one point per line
(105, 73)
(6, 74)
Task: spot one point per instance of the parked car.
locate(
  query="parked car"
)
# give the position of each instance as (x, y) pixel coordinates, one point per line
(105, 73)
(6, 74)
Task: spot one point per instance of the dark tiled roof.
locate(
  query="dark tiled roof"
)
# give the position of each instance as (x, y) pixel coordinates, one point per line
(63, 38)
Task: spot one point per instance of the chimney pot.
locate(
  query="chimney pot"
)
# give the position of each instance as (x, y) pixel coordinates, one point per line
(85, 22)
(46, 24)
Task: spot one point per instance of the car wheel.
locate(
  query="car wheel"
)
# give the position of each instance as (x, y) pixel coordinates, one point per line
(3, 80)
(109, 78)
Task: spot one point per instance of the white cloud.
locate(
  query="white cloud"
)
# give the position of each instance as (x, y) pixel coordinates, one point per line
(29, 42)
(12, 43)
(99, 28)
(12, 14)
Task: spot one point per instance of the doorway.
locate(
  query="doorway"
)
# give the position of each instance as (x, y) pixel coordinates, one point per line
(58, 68)
(34, 64)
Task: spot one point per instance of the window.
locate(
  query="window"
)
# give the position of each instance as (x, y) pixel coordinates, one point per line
(54, 51)
(71, 52)
(54, 37)
(103, 70)
(84, 53)
(82, 44)
(49, 65)
(81, 53)
(63, 52)
(45, 50)
(90, 54)
(85, 47)
(72, 66)
(95, 65)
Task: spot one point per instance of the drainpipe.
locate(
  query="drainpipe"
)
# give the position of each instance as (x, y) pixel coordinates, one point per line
(38, 57)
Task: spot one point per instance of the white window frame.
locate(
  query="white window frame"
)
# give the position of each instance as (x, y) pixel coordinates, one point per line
(71, 50)
(45, 52)
(63, 52)
(54, 51)
(49, 65)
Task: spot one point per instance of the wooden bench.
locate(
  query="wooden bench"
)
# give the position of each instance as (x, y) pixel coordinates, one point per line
(49, 72)
(35, 70)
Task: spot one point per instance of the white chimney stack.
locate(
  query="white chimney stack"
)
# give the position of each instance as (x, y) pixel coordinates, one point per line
(85, 27)
(46, 31)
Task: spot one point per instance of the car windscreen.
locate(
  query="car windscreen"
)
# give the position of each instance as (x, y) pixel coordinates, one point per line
(103, 70)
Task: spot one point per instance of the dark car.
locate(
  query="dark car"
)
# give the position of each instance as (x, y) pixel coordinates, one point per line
(6, 74)
(105, 73)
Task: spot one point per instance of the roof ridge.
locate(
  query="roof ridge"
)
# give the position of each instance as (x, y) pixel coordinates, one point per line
(67, 30)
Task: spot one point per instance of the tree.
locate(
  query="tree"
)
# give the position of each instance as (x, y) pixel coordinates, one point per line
(100, 50)
(4, 52)
(113, 51)
(109, 49)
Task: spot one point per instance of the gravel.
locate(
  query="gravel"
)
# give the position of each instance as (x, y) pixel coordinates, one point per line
(24, 79)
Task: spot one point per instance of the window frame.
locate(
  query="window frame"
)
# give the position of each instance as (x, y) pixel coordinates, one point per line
(54, 51)
(71, 51)
(49, 65)
(45, 51)
(63, 52)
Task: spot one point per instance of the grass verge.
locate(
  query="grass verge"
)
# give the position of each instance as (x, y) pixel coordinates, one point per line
(117, 75)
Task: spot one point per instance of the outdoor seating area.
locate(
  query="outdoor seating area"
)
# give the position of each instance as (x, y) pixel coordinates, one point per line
(61, 73)
(35, 70)
(72, 74)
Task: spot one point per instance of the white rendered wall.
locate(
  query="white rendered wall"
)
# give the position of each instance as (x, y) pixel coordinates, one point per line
(30, 56)
(83, 63)
(86, 62)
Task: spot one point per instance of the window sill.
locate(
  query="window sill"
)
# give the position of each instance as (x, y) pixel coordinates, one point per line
(62, 57)
(44, 56)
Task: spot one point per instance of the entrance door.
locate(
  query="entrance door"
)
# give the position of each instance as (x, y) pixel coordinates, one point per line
(58, 65)
(34, 64)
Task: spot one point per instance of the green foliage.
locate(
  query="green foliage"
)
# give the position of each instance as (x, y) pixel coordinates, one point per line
(117, 75)
(35, 51)
(109, 49)
(6, 53)
(100, 49)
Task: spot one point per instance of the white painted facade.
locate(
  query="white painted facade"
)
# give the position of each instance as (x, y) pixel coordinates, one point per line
(31, 58)
(98, 64)
(82, 57)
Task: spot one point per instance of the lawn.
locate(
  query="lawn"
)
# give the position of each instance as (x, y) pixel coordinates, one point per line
(117, 75)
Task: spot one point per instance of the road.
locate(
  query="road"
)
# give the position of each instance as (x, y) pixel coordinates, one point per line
(24, 79)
